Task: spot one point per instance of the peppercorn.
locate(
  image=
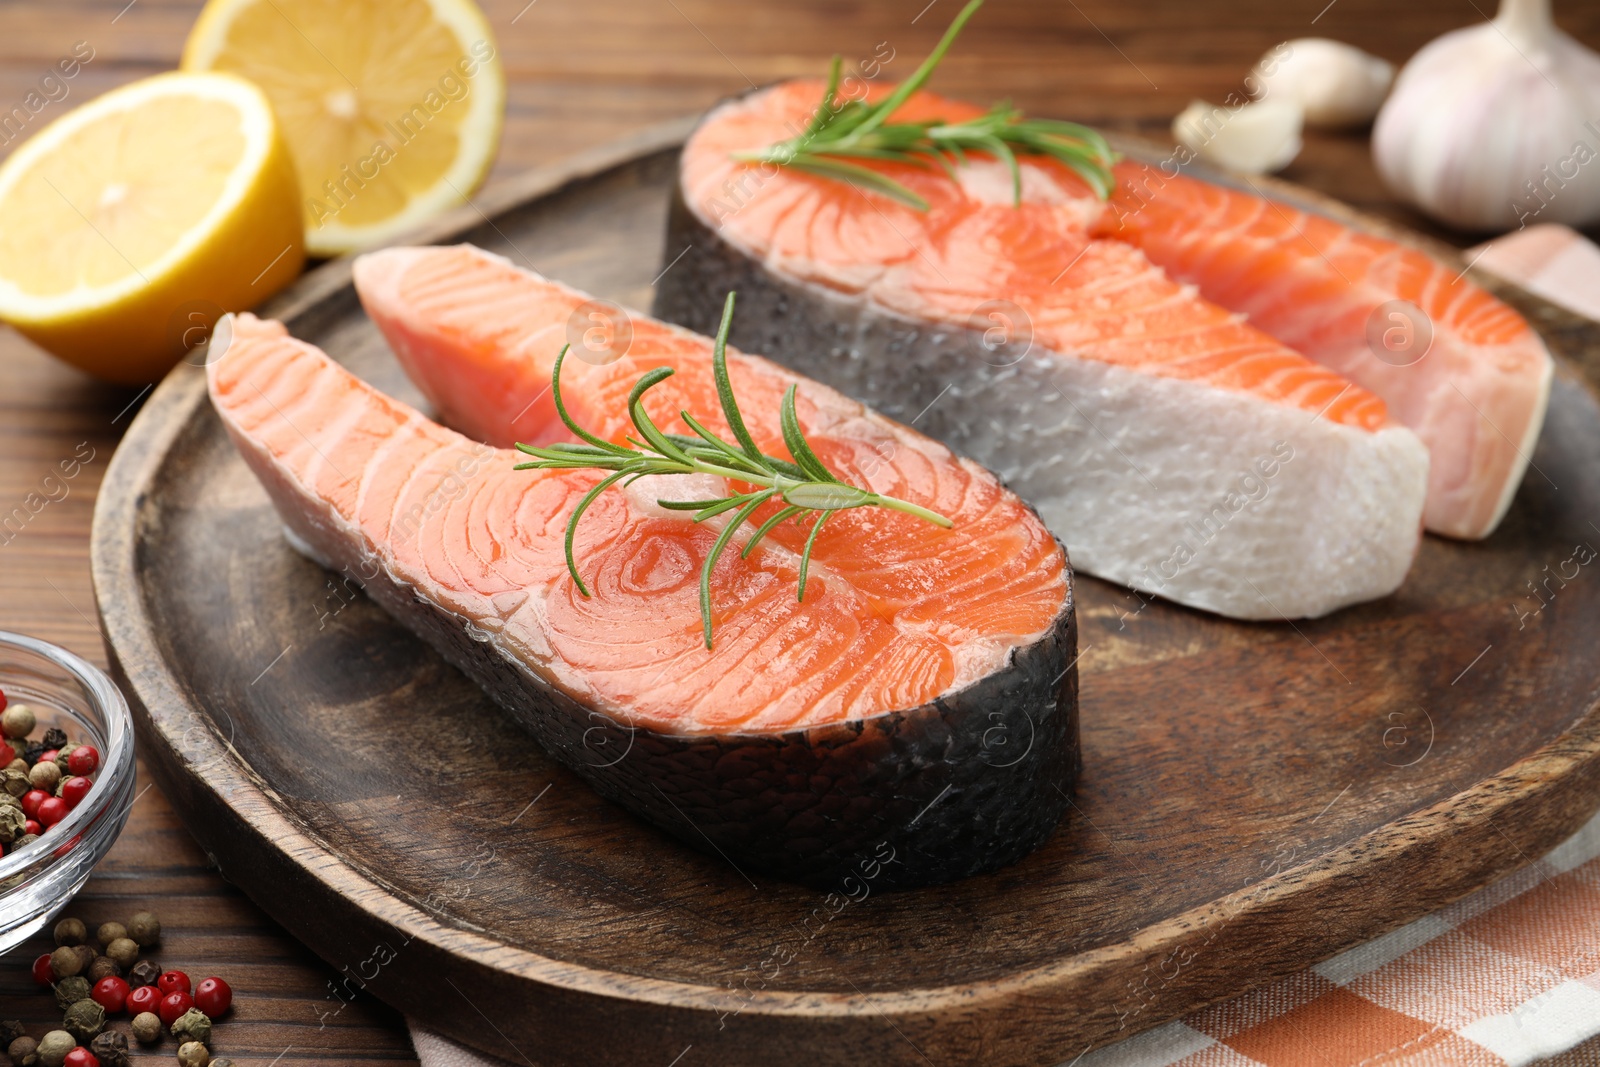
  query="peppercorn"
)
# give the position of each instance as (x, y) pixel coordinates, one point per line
(109, 932)
(193, 1054)
(14, 781)
(124, 952)
(55, 737)
(102, 967)
(71, 932)
(18, 721)
(10, 1030)
(143, 973)
(222, 1061)
(20, 765)
(147, 1027)
(64, 962)
(34, 750)
(54, 1046)
(45, 776)
(84, 1021)
(86, 955)
(69, 991)
(13, 824)
(193, 1025)
(111, 1049)
(24, 841)
(24, 1052)
(145, 929)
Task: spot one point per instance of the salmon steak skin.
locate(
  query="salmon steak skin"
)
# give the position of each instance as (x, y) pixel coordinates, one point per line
(912, 721)
(1137, 405)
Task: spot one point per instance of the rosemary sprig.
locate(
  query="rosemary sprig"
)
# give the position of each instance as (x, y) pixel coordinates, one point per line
(842, 131)
(804, 484)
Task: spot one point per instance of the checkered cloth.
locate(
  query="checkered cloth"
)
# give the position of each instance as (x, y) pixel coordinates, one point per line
(1507, 976)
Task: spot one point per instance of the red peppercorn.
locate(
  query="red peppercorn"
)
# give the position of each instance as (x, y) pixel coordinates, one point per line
(172, 1007)
(85, 759)
(143, 999)
(111, 993)
(2, 700)
(31, 826)
(52, 810)
(31, 801)
(73, 790)
(213, 996)
(42, 974)
(81, 1057)
(173, 982)
(47, 756)
(7, 754)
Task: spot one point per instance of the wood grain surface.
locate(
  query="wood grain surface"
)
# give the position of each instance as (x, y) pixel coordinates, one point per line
(581, 74)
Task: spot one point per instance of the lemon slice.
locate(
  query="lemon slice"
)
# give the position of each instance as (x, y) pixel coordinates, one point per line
(392, 108)
(129, 225)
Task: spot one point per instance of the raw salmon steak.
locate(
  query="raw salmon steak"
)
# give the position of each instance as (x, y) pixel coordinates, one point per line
(1174, 446)
(912, 721)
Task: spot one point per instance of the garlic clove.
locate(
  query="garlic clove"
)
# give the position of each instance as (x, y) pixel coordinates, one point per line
(1496, 125)
(1336, 85)
(1255, 138)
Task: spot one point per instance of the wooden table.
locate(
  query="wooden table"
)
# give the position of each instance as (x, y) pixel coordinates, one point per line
(581, 73)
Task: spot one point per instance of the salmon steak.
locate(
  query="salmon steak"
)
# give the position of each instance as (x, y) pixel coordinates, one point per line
(1116, 362)
(912, 720)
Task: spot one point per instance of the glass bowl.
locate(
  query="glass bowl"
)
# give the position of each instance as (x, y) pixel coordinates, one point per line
(37, 880)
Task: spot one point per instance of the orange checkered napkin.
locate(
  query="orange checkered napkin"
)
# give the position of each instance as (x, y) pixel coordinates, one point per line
(1505, 977)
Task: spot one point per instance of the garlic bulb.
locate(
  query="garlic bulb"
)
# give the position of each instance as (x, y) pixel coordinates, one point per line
(1254, 138)
(1496, 125)
(1335, 84)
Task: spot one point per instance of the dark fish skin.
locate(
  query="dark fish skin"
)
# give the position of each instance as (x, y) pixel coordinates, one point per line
(971, 782)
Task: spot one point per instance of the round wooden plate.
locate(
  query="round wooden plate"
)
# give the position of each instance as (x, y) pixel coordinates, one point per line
(1256, 797)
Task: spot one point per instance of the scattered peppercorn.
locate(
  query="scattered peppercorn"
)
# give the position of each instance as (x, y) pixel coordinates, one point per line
(144, 999)
(145, 929)
(109, 932)
(18, 721)
(111, 1049)
(54, 1046)
(84, 1020)
(80, 1057)
(145, 972)
(45, 777)
(10, 1030)
(71, 990)
(193, 1054)
(86, 955)
(102, 967)
(111, 993)
(174, 982)
(193, 1025)
(64, 962)
(147, 1027)
(24, 1052)
(213, 996)
(124, 951)
(43, 972)
(173, 1006)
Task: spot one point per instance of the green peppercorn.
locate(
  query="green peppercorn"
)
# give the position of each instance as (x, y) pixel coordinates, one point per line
(193, 1054)
(84, 1021)
(54, 1046)
(24, 841)
(20, 765)
(71, 990)
(145, 929)
(143, 973)
(13, 824)
(193, 1025)
(45, 776)
(147, 1027)
(124, 952)
(64, 962)
(111, 1049)
(24, 1052)
(102, 967)
(15, 781)
(9, 801)
(18, 722)
(71, 932)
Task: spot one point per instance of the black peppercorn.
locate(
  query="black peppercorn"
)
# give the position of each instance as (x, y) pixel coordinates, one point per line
(33, 751)
(24, 1052)
(10, 1030)
(111, 1049)
(55, 738)
(102, 967)
(143, 973)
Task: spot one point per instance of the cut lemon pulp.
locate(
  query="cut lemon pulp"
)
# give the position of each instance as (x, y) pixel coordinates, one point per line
(392, 108)
(128, 225)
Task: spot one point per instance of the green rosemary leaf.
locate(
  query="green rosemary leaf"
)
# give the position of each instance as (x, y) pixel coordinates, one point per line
(805, 557)
(725, 451)
(826, 496)
(572, 524)
(719, 371)
(825, 110)
(561, 408)
(711, 562)
(796, 441)
(761, 531)
(850, 172)
(688, 505)
(902, 92)
(718, 507)
(641, 418)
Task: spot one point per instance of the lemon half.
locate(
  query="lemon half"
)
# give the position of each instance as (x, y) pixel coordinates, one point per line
(392, 108)
(129, 224)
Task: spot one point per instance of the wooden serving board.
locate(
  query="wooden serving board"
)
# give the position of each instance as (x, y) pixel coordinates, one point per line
(1256, 797)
